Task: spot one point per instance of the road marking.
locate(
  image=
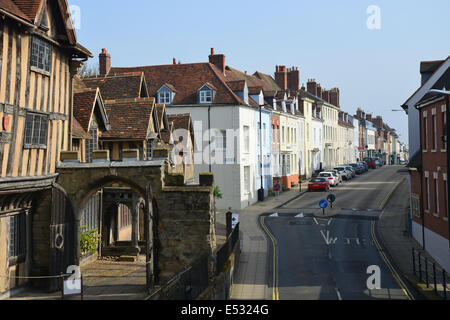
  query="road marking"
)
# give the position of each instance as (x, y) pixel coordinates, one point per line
(338, 293)
(275, 215)
(301, 215)
(315, 220)
(388, 263)
(329, 221)
(275, 292)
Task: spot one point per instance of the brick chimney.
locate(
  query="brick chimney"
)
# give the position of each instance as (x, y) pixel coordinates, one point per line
(281, 77)
(293, 79)
(104, 62)
(174, 61)
(326, 95)
(218, 60)
(360, 113)
(378, 121)
(334, 97)
(303, 87)
(311, 86)
(369, 117)
(319, 90)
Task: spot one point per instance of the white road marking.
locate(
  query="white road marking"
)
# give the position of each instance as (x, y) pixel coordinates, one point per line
(301, 215)
(329, 221)
(275, 215)
(338, 293)
(315, 220)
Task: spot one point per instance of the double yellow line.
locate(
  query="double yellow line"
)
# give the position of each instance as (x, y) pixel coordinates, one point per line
(381, 252)
(275, 292)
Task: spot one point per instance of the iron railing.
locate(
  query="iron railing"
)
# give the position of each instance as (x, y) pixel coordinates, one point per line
(187, 285)
(224, 253)
(431, 274)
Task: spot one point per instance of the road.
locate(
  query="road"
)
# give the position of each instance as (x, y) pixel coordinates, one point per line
(326, 257)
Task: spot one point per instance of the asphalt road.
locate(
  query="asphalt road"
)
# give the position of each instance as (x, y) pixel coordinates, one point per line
(317, 257)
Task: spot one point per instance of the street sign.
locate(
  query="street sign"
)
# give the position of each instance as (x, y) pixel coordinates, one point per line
(331, 198)
(323, 204)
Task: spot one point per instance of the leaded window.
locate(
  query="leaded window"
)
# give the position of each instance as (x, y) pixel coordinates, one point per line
(36, 130)
(17, 235)
(41, 54)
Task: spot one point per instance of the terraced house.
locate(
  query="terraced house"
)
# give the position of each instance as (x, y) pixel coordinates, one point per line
(39, 55)
(225, 117)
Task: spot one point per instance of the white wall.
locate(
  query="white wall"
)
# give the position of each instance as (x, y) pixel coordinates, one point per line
(435, 245)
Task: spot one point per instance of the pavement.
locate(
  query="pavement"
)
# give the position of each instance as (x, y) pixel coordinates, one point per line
(250, 281)
(392, 229)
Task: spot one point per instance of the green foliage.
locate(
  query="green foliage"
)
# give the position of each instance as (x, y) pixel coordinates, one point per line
(217, 193)
(89, 240)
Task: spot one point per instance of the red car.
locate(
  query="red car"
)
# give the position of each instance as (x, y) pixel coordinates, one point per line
(320, 184)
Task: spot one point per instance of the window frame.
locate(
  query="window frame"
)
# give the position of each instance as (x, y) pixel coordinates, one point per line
(41, 52)
(17, 246)
(204, 95)
(30, 132)
(164, 97)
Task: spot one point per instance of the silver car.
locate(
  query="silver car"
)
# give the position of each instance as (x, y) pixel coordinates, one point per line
(346, 174)
(338, 175)
(352, 170)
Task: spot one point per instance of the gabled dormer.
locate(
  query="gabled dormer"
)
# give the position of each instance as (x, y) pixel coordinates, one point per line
(206, 94)
(256, 93)
(166, 94)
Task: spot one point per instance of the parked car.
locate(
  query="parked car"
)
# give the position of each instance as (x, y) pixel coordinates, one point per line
(358, 168)
(351, 170)
(346, 174)
(338, 174)
(371, 163)
(378, 162)
(330, 177)
(321, 184)
(365, 165)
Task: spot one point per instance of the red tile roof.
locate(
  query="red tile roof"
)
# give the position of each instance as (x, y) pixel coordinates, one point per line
(187, 80)
(130, 119)
(30, 8)
(10, 7)
(113, 87)
(78, 131)
(83, 104)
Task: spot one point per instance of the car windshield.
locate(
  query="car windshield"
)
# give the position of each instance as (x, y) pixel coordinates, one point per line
(317, 180)
(339, 169)
(354, 165)
(325, 175)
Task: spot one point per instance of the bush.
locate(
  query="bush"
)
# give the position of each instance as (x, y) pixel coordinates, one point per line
(89, 241)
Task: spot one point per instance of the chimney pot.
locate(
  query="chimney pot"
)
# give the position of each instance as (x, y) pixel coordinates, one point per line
(212, 51)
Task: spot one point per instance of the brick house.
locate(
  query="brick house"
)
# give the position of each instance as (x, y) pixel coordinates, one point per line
(429, 172)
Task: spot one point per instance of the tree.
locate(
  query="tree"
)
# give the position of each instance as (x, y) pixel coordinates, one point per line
(87, 70)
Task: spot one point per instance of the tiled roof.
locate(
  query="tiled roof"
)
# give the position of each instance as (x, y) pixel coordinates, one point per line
(269, 83)
(29, 7)
(83, 103)
(10, 7)
(187, 79)
(113, 87)
(237, 85)
(129, 119)
(78, 131)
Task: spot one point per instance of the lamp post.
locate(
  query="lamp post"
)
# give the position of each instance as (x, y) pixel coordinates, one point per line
(445, 139)
(261, 189)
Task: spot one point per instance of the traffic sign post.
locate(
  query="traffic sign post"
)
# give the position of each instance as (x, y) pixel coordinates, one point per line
(323, 204)
(331, 198)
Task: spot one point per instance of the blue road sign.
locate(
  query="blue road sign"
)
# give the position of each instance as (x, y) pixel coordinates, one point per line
(323, 204)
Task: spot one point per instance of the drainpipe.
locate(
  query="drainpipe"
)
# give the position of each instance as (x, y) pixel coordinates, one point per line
(209, 132)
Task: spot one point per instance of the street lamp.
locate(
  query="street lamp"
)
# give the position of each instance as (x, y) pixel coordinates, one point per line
(445, 139)
(261, 189)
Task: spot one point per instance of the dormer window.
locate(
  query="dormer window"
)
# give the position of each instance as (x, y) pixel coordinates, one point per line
(164, 97)
(166, 94)
(206, 94)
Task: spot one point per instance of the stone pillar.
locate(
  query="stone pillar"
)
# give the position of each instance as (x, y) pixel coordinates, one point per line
(135, 223)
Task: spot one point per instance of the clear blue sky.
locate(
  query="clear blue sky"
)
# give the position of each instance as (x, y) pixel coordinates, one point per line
(327, 39)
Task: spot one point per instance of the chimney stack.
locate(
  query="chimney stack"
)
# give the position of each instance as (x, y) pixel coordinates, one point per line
(311, 86)
(319, 90)
(218, 60)
(369, 117)
(326, 95)
(174, 61)
(293, 79)
(334, 97)
(104, 62)
(281, 77)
